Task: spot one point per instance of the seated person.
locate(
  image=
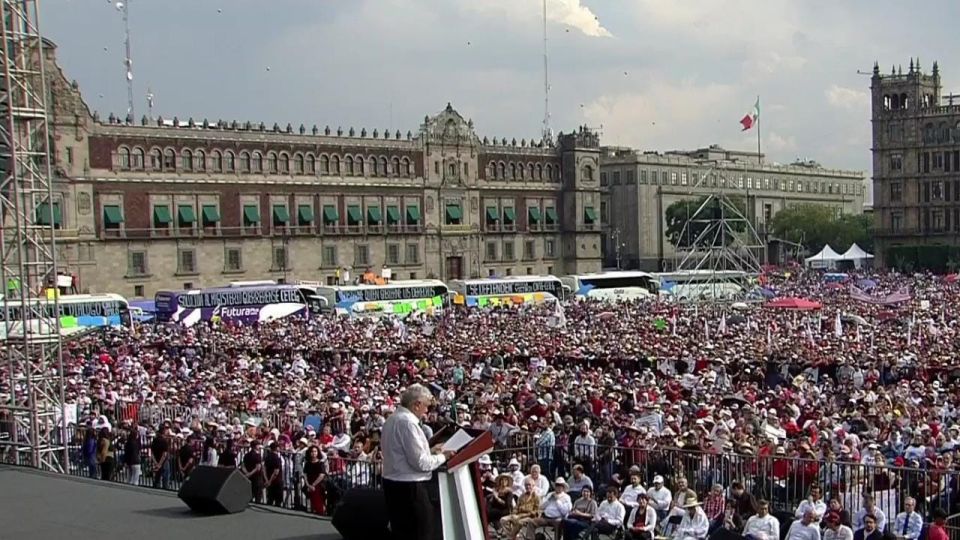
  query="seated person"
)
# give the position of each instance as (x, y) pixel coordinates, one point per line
(500, 499)
(527, 507)
(762, 526)
(580, 516)
(610, 515)
(870, 530)
(694, 524)
(553, 509)
(805, 528)
(835, 529)
(642, 521)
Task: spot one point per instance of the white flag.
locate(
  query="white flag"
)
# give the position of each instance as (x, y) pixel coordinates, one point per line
(837, 327)
(706, 331)
(723, 325)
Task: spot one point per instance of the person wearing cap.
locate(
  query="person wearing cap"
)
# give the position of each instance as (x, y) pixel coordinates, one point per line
(908, 524)
(408, 463)
(835, 529)
(514, 471)
(804, 528)
(762, 526)
(553, 509)
(694, 523)
(540, 481)
(641, 524)
(580, 516)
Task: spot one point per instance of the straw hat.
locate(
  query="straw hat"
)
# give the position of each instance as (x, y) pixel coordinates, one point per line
(691, 502)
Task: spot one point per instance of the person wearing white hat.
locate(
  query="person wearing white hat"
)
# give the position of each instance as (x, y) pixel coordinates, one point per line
(660, 497)
(514, 467)
(553, 509)
(694, 524)
(408, 464)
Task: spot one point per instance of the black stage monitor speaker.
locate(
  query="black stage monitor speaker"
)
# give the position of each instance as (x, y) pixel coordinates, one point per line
(216, 490)
(362, 515)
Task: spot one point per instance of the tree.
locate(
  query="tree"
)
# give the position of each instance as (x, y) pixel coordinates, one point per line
(815, 226)
(679, 213)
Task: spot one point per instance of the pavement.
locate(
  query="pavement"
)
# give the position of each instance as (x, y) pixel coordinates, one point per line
(39, 505)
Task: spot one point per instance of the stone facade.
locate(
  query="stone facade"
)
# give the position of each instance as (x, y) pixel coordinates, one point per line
(639, 186)
(916, 160)
(158, 204)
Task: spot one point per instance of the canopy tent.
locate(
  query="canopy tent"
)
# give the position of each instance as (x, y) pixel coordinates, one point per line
(800, 304)
(827, 258)
(857, 255)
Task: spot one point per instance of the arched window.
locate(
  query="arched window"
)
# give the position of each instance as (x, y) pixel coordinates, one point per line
(272, 162)
(539, 172)
(200, 161)
(891, 103)
(348, 165)
(137, 159)
(490, 171)
(407, 168)
(186, 160)
(374, 167)
(256, 162)
(335, 165)
(383, 165)
(311, 164)
(531, 169)
(156, 159)
(587, 172)
(523, 171)
(298, 164)
(549, 171)
(395, 168)
(216, 159)
(245, 162)
(904, 101)
(123, 159)
(284, 163)
(169, 160)
(324, 165)
(452, 170)
(513, 171)
(228, 161)
(501, 171)
(359, 166)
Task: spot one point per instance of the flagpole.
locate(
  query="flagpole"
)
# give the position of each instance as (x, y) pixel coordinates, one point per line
(759, 154)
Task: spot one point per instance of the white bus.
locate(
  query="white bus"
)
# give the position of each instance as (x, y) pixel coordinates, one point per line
(394, 298)
(704, 284)
(614, 285)
(77, 313)
(513, 289)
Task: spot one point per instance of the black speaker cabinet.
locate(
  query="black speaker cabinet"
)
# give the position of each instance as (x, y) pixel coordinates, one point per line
(362, 515)
(216, 490)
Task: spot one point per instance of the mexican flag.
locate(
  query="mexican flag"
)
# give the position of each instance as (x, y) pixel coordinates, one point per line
(751, 118)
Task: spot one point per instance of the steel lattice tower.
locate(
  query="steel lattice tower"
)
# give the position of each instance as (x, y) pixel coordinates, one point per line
(32, 353)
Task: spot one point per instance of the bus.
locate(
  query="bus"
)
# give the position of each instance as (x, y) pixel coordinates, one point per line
(614, 285)
(514, 289)
(246, 304)
(704, 284)
(76, 313)
(393, 298)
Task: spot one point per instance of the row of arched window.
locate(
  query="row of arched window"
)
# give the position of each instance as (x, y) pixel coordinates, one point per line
(227, 161)
(499, 170)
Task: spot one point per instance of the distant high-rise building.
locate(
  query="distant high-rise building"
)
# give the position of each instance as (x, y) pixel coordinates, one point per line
(916, 168)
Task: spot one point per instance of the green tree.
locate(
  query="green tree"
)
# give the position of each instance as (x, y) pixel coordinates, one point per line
(678, 214)
(815, 226)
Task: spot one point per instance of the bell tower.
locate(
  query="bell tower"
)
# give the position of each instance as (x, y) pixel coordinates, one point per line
(580, 222)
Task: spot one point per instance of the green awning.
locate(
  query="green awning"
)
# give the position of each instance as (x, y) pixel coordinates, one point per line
(354, 215)
(393, 215)
(534, 214)
(330, 214)
(112, 217)
(551, 215)
(509, 216)
(589, 214)
(413, 215)
(210, 214)
(492, 214)
(374, 217)
(251, 214)
(454, 213)
(161, 215)
(305, 214)
(46, 217)
(280, 214)
(186, 215)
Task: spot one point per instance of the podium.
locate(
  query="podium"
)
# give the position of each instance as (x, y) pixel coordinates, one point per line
(462, 512)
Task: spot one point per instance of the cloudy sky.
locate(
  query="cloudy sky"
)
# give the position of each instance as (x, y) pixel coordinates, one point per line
(655, 74)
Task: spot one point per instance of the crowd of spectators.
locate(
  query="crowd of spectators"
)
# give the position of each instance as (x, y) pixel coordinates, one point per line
(853, 400)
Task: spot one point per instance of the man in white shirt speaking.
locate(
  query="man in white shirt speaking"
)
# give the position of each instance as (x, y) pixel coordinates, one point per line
(408, 462)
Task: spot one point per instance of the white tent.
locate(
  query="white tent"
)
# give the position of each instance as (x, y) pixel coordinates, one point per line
(827, 258)
(857, 255)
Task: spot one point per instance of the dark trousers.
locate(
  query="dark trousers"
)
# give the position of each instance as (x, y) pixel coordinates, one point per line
(409, 510)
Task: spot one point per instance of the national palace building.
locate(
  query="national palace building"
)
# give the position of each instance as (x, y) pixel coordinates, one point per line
(179, 203)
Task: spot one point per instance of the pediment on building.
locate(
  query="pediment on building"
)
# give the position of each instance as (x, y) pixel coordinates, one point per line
(449, 127)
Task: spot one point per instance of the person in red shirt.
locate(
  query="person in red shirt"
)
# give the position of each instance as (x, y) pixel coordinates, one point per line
(938, 530)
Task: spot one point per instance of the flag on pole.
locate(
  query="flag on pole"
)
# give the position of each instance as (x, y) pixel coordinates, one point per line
(706, 331)
(909, 334)
(751, 118)
(837, 327)
(722, 329)
(858, 333)
(673, 324)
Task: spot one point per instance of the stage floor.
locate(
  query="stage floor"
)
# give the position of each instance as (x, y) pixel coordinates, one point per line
(37, 505)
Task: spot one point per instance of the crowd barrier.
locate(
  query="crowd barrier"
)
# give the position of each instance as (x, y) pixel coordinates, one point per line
(783, 481)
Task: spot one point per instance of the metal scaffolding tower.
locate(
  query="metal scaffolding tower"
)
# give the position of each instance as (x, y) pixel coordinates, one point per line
(32, 415)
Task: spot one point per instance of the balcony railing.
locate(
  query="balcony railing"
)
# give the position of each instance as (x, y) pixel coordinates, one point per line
(127, 233)
(457, 228)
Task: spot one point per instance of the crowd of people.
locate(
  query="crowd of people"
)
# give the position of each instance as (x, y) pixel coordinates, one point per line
(855, 398)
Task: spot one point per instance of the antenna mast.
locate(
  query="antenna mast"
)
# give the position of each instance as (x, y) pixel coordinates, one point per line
(124, 5)
(547, 132)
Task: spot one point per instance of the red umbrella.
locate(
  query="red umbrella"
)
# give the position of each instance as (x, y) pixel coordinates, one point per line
(793, 303)
(952, 278)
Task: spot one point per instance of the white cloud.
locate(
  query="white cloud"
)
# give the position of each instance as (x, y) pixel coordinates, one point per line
(847, 98)
(567, 12)
(780, 143)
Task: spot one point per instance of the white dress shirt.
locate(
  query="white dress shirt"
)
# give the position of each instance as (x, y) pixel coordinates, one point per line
(842, 533)
(630, 494)
(693, 528)
(819, 508)
(764, 528)
(661, 498)
(799, 531)
(908, 525)
(877, 513)
(556, 505)
(406, 451)
(541, 485)
(611, 512)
